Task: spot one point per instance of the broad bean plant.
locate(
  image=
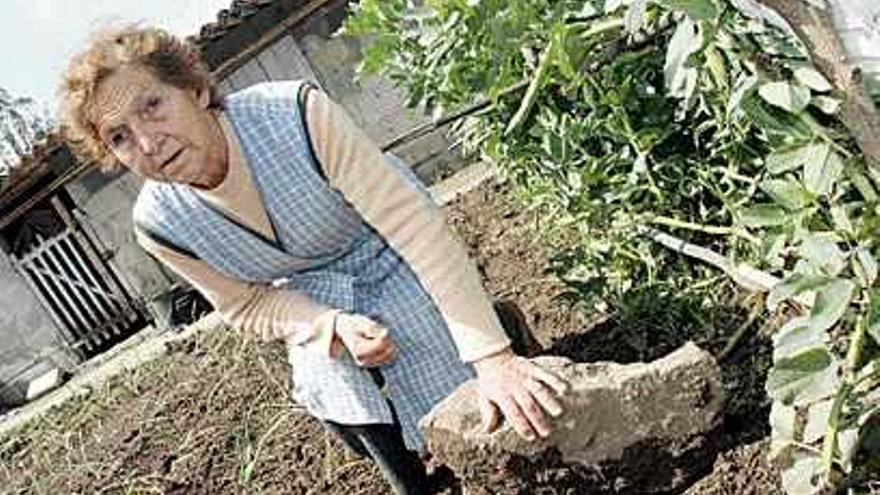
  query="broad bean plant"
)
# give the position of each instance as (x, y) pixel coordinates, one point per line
(621, 117)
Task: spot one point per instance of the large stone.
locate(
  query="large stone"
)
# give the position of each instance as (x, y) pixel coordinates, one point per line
(636, 428)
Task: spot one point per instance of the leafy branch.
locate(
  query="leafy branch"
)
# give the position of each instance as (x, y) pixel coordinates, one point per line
(620, 118)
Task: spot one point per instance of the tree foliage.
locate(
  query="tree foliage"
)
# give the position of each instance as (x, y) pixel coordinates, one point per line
(688, 116)
(22, 126)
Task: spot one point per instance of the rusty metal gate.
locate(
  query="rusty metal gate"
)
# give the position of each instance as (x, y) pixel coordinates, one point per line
(89, 302)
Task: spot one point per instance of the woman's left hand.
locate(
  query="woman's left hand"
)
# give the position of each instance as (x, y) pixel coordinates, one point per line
(521, 391)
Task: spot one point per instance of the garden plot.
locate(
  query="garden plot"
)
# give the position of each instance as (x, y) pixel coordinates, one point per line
(213, 415)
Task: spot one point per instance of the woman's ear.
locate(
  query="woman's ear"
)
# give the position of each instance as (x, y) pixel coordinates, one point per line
(203, 96)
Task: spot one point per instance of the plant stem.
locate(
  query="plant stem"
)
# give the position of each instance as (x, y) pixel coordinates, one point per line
(829, 443)
(851, 366)
(867, 378)
(534, 88)
(741, 332)
(706, 229)
(854, 353)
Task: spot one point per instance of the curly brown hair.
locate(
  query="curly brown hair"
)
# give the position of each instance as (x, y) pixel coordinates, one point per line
(171, 60)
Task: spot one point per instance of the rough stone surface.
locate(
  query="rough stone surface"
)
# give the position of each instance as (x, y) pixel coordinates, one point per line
(644, 427)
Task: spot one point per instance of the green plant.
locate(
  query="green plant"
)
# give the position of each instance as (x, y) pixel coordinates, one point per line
(679, 116)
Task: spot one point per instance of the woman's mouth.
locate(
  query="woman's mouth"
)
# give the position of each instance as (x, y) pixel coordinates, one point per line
(171, 159)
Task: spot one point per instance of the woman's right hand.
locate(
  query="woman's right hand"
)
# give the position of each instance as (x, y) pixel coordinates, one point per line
(368, 342)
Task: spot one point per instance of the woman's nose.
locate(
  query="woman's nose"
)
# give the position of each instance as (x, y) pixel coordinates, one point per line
(148, 141)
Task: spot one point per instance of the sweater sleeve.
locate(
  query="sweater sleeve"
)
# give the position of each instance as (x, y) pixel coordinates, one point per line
(409, 221)
(261, 310)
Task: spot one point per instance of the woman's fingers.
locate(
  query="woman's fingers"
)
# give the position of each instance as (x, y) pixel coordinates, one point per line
(525, 392)
(375, 351)
(556, 383)
(373, 330)
(533, 412)
(489, 414)
(545, 397)
(385, 355)
(518, 420)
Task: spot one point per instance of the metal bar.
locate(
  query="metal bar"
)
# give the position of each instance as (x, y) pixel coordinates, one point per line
(69, 303)
(45, 244)
(110, 281)
(88, 230)
(121, 308)
(67, 279)
(58, 306)
(69, 337)
(90, 313)
(92, 279)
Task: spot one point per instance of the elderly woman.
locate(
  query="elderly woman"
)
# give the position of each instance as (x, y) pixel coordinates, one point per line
(275, 206)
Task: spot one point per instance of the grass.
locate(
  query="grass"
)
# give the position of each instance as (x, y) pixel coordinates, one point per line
(211, 416)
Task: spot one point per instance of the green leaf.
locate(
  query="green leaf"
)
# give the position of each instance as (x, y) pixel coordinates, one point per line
(804, 377)
(840, 219)
(772, 247)
(763, 215)
(741, 87)
(788, 193)
(790, 97)
(537, 82)
(680, 77)
(796, 335)
(822, 169)
(699, 10)
(789, 159)
(847, 444)
(865, 266)
(872, 316)
(863, 184)
(611, 5)
(832, 301)
(820, 250)
(812, 79)
(817, 420)
(782, 428)
(794, 284)
(777, 124)
(826, 104)
(634, 18)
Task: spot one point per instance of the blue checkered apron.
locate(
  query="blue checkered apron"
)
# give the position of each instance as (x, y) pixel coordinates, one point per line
(324, 249)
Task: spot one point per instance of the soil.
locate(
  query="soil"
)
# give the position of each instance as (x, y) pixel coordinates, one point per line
(516, 266)
(214, 415)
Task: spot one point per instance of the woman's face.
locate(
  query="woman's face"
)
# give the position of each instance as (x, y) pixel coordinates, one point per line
(159, 131)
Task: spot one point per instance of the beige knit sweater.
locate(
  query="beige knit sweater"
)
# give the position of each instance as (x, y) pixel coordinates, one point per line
(412, 225)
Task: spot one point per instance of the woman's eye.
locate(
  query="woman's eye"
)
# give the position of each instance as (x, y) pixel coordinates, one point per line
(152, 104)
(118, 139)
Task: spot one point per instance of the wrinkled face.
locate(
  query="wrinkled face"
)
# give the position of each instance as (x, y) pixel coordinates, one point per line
(159, 131)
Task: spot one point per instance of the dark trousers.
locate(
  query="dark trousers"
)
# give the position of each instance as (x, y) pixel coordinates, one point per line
(401, 468)
(383, 443)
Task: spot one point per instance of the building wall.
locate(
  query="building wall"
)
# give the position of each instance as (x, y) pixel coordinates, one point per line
(30, 342)
(28, 335)
(310, 51)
